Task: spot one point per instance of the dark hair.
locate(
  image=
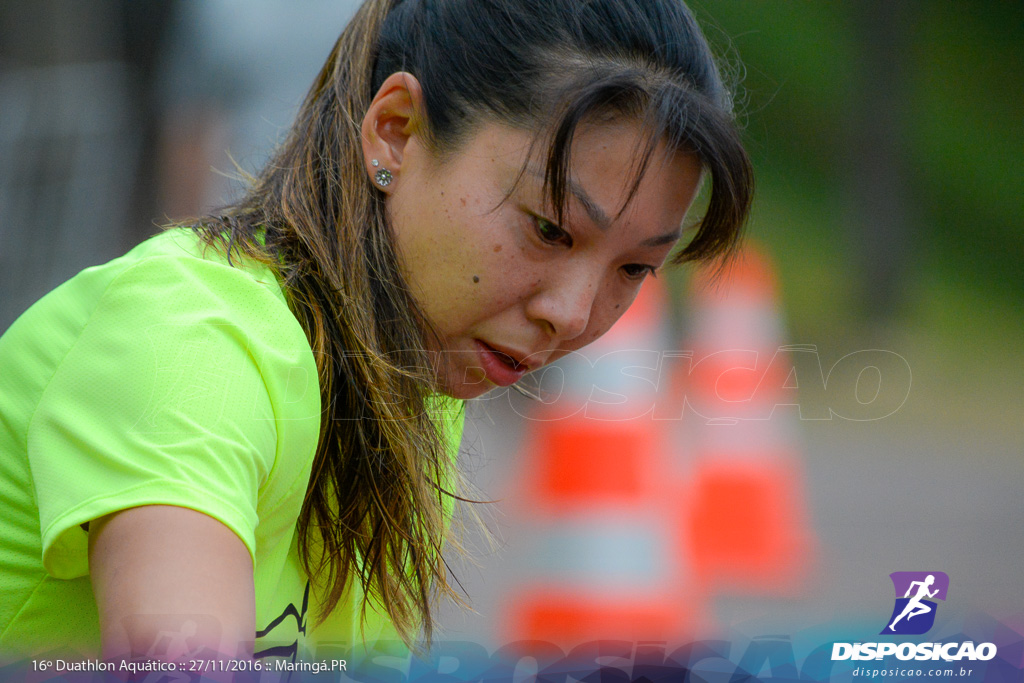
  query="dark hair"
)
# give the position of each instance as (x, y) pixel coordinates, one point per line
(381, 475)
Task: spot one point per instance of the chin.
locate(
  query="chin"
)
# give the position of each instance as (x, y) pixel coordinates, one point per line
(468, 391)
(464, 382)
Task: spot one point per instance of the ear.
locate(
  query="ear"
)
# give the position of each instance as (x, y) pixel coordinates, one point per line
(393, 117)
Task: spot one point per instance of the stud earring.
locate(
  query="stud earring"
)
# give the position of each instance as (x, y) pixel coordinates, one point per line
(383, 177)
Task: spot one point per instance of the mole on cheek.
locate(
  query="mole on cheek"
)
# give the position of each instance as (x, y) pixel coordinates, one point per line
(476, 278)
(497, 248)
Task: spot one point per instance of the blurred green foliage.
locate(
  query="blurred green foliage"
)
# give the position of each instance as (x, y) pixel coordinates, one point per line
(959, 315)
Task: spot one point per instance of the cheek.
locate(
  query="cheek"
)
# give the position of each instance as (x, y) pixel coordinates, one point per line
(506, 274)
(608, 309)
(599, 326)
(479, 278)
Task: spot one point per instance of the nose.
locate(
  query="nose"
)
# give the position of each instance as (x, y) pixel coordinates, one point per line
(565, 305)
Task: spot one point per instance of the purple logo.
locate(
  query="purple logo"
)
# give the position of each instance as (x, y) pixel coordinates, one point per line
(916, 593)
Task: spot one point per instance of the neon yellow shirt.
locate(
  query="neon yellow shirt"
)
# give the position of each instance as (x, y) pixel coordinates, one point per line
(164, 377)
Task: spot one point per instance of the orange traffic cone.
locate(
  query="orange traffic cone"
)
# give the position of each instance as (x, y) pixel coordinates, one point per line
(599, 502)
(746, 527)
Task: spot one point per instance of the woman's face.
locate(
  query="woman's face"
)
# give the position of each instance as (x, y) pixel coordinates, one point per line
(508, 290)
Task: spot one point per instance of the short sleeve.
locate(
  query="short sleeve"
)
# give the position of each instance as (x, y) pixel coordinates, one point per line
(171, 395)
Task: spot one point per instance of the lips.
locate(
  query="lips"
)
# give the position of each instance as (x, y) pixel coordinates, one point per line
(500, 366)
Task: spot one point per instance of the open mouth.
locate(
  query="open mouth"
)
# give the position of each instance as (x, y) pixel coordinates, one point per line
(500, 368)
(506, 359)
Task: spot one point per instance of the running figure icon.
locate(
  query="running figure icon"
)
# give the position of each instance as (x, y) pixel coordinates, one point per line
(917, 594)
(915, 606)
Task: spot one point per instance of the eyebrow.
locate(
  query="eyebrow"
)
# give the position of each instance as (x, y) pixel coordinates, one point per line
(594, 212)
(660, 240)
(600, 218)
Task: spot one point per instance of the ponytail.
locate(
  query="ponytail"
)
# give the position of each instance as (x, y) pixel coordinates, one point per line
(374, 509)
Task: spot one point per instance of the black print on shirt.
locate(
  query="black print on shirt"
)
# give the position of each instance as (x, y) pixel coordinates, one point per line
(290, 611)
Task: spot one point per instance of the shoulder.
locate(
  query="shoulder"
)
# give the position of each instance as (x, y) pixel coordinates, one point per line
(133, 319)
(177, 261)
(169, 276)
(173, 285)
(183, 379)
(175, 309)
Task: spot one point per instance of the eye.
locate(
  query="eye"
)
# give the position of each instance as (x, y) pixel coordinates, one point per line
(638, 271)
(551, 233)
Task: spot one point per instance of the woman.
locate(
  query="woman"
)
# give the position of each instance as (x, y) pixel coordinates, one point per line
(472, 189)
